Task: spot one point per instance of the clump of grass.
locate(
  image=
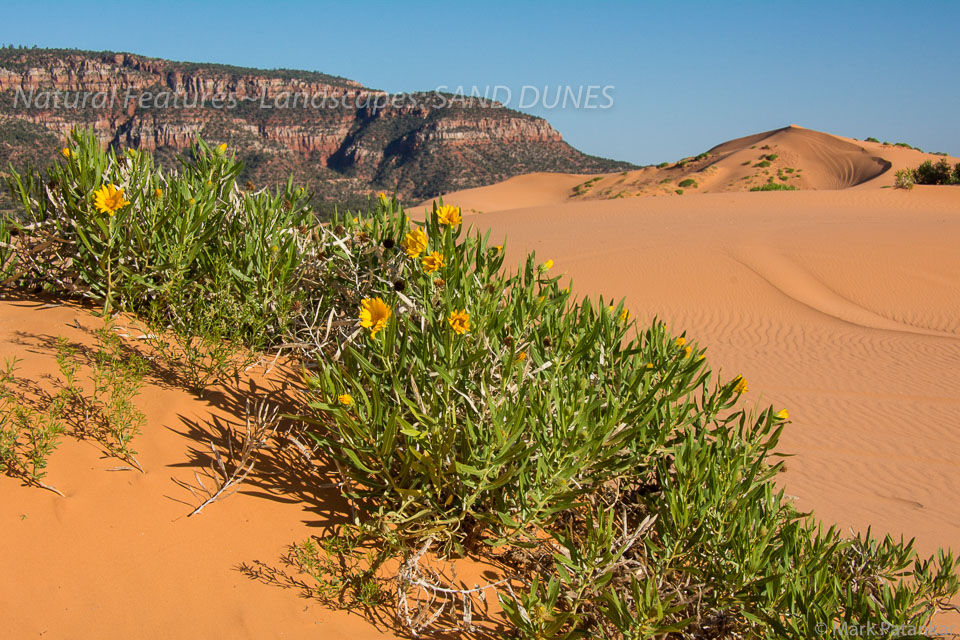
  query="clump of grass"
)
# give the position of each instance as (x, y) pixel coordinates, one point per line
(27, 437)
(872, 139)
(689, 182)
(762, 164)
(679, 192)
(103, 407)
(666, 181)
(903, 179)
(771, 157)
(582, 188)
(774, 186)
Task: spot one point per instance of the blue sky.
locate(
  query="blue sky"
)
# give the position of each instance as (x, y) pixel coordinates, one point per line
(686, 75)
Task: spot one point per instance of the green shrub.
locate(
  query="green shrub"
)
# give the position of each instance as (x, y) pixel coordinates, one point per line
(771, 157)
(168, 245)
(689, 182)
(774, 186)
(956, 173)
(930, 173)
(762, 164)
(872, 139)
(903, 179)
(663, 165)
(679, 192)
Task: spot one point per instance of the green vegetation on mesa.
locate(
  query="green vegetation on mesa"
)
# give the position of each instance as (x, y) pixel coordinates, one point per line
(473, 410)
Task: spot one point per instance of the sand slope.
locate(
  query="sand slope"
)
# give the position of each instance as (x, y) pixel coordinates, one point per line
(842, 306)
(117, 557)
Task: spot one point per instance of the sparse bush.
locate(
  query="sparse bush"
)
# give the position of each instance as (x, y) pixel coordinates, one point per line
(762, 164)
(774, 186)
(771, 157)
(679, 192)
(903, 179)
(872, 139)
(689, 182)
(663, 165)
(27, 436)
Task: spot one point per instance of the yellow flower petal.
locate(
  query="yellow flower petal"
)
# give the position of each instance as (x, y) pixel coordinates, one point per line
(374, 313)
(449, 215)
(783, 414)
(345, 399)
(741, 385)
(415, 243)
(459, 321)
(433, 262)
(109, 199)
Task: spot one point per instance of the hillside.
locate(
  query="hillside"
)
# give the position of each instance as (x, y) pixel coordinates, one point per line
(343, 140)
(792, 156)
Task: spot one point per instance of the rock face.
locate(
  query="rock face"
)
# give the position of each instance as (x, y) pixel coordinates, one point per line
(339, 137)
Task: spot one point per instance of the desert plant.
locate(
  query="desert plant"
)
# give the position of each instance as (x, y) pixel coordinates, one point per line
(930, 173)
(872, 139)
(27, 437)
(903, 179)
(689, 182)
(103, 407)
(774, 186)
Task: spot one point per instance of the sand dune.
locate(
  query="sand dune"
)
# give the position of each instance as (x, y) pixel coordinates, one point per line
(118, 557)
(842, 306)
(795, 156)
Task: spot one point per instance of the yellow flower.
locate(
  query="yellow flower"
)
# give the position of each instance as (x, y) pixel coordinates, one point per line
(415, 243)
(356, 220)
(624, 315)
(521, 356)
(132, 153)
(460, 321)
(448, 215)
(374, 313)
(649, 365)
(546, 266)
(222, 148)
(741, 385)
(345, 399)
(382, 196)
(158, 192)
(499, 248)
(680, 342)
(783, 414)
(700, 357)
(108, 199)
(433, 262)
(67, 153)
(209, 183)
(687, 350)
(191, 201)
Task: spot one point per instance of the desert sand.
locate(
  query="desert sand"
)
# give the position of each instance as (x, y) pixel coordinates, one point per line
(839, 302)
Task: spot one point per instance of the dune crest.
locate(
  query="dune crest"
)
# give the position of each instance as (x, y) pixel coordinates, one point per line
(792, 156)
